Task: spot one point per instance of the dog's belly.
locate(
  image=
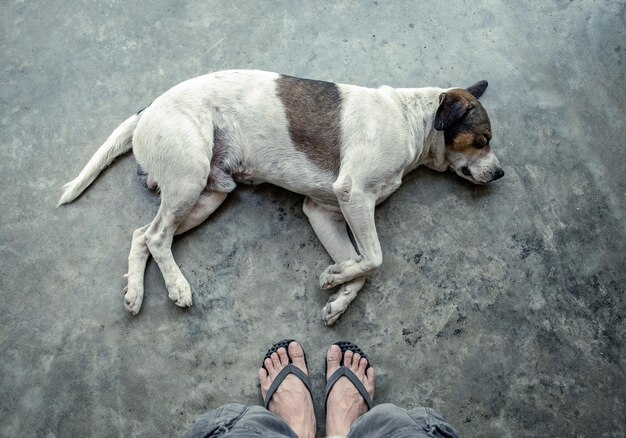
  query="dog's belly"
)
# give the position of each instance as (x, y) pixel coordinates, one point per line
(287, 170)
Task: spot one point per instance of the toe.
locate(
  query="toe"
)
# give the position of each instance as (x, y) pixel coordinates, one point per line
(183, 302)
(362, 366)
(296, 353)
(356, 359)
(333, 358)
(282, 356)
(347, 361)
(276, 361)
(269, 365)
(263, 380)
(371, 375)
(326, 280)
(263, 375)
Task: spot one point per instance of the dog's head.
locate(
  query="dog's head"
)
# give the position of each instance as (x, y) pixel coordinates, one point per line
(467, 133)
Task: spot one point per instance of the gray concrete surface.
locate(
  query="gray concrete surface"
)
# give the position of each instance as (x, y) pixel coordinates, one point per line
(502, 306)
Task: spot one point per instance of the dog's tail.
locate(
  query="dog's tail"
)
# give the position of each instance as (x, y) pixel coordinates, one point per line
(119, 141)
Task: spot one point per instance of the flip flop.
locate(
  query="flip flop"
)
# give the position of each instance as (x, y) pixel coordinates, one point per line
(347, 372)
(289, 369)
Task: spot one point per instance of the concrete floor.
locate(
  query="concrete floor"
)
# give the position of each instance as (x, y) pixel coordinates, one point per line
(501, 306)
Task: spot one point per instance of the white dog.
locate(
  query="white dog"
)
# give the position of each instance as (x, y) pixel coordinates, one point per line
(344, 147)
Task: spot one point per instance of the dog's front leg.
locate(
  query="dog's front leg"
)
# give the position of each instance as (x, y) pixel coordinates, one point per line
(330, 228)
(357, 206)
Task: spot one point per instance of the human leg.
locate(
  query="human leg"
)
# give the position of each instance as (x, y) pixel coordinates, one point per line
(390, 420)
(236, 420)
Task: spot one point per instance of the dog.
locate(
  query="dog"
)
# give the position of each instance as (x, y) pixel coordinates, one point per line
(344, 147)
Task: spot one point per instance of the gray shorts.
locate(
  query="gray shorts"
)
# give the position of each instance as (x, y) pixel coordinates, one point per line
(386, 420)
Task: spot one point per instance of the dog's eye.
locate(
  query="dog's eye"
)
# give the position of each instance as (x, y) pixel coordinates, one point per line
(481, 141)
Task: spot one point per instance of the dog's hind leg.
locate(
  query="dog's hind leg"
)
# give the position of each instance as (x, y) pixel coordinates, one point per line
(176, 204)
(177, 150)
(137, 259)
(206, 204)
(330, 228)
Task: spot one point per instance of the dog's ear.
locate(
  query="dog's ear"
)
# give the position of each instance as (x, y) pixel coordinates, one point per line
(478, 88)
(452, 107)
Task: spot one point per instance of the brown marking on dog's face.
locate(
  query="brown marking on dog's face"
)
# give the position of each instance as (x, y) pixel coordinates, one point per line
(470, 143)
(313, 110)
(464, 121)
(467, 133)
(453, 106)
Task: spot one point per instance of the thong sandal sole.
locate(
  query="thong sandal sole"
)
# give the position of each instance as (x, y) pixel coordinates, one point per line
(347, 372)
(289, 369)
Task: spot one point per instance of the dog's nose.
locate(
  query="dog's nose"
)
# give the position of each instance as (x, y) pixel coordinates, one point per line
(498, 174)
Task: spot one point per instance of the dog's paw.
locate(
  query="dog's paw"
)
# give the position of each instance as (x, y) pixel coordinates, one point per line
(335, 307)
(338, 302)
(329, 278)
(341, 273)
(180, 293)
(133, 297)
(331, 315)
(326, 280)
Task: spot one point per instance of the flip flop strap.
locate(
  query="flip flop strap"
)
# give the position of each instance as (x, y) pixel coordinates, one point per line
(289, 369)
(347, 372)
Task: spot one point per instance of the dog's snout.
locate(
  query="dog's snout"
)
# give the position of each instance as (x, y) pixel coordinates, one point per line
(498, 174)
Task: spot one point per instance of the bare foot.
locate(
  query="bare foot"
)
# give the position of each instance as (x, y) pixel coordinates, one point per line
(345, 404)
(291, 401)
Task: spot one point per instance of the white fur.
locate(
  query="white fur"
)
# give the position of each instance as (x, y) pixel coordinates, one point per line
(385, 134)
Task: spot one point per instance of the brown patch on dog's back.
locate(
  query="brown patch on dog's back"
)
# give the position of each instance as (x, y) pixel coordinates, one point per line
(313, 110)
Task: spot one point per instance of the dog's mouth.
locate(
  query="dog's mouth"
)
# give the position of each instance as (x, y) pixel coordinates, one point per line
(466, 173)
